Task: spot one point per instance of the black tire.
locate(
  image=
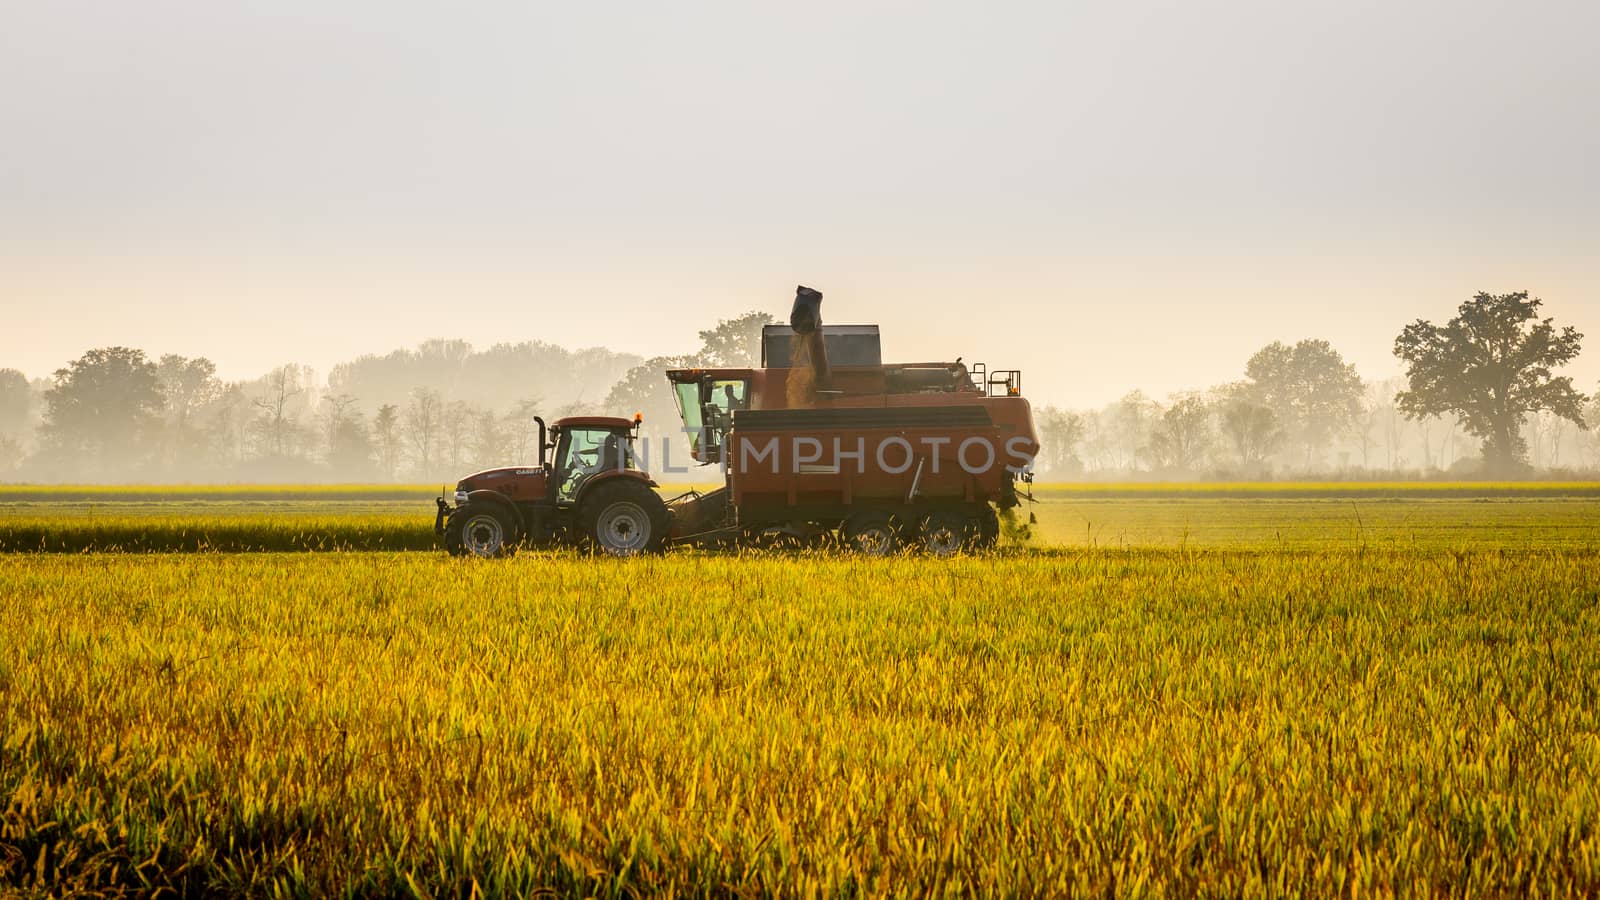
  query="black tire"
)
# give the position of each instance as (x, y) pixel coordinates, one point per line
(481, 529)
(988, 528)
(623, 517)
(947, 532)
(872, 533)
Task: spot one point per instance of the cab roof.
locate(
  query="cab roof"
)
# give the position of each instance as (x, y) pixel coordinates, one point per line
(594, 422)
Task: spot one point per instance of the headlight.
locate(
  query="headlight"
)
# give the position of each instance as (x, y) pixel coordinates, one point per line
(461, 498)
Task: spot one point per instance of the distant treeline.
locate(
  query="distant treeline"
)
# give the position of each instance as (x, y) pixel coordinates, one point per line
(1480, 397)
(430, 414)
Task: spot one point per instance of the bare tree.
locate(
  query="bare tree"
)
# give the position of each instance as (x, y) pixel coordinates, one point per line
(457, 420)
(490, 441)
(1182, 437)
(1133, 419)
(346, 442)
(1060, 433)
(522, 433)
(277, 423)
(424, 416)
(386, 434)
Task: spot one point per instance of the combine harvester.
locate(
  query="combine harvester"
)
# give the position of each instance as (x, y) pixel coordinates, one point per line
(823, 442)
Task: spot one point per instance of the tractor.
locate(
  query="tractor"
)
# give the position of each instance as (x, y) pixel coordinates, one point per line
(591, 492)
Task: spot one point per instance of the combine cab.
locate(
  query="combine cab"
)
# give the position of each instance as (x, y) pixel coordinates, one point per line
(823, 443)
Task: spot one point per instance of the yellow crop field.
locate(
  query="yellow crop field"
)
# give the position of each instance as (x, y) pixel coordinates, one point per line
(1082, 720)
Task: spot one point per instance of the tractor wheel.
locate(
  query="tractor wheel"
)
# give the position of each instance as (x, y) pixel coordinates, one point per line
(480, 529)
(988, 528)
(948, 532)
(873, 533)
(624, 518)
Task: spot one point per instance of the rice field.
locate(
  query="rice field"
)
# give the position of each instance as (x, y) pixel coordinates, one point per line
(1205, 694)
(1511, 515)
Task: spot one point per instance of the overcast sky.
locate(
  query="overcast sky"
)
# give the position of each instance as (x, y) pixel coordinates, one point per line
(1108, 195)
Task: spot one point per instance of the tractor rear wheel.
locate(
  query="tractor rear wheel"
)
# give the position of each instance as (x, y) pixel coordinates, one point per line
(480, 529)
(624, 518)
(873, 533)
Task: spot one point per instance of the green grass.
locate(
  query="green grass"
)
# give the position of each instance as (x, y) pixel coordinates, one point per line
(1080, 721)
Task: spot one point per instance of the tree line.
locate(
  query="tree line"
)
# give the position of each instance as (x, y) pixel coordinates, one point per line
(1480, 396)
(426, 414)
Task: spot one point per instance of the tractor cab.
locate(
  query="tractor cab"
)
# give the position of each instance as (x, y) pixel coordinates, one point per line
(586, 447)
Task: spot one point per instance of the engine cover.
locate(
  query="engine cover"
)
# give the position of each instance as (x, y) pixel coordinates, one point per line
(524, 484)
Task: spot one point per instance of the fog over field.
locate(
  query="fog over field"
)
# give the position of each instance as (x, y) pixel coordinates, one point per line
(342, 207)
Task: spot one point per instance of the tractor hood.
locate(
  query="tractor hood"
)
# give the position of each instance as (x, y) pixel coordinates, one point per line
(516, 482)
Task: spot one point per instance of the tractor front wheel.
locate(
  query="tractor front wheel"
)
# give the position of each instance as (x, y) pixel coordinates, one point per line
(479, 529)
(624, 518)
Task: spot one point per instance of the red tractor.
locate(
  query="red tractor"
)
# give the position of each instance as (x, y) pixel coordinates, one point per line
(591, 492)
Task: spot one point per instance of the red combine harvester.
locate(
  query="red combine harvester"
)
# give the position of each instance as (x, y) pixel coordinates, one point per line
(822, 441)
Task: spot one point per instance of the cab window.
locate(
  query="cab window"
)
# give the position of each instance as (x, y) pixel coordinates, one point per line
(587, 452)
(688, 397)
(719, 399)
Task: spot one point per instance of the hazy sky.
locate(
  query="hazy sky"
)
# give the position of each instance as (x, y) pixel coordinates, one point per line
(1108, 195)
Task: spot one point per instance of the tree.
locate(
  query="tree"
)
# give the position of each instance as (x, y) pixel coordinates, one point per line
(1060, 433)
(346, 442)
(1182, 436)
(457, 421)
(422, 420)
(386, 433)
(522, 433)
(103, 407)
(187, 386)
(733, 343)
(490, 444)
(1589, 438)
(645, 390)
(228, 429)
(10, 455)
(1251, 429)
(277, 423)
(16, 402)
(1490, 366)
(1132, 420)
(1312, 393)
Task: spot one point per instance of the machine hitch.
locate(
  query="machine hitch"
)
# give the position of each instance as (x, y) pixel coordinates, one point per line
(444, 513)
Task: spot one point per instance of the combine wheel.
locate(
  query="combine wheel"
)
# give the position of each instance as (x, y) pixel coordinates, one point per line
(988, 528)
(624, 518)
(948, 532)
(480, 529)
(873, 533)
